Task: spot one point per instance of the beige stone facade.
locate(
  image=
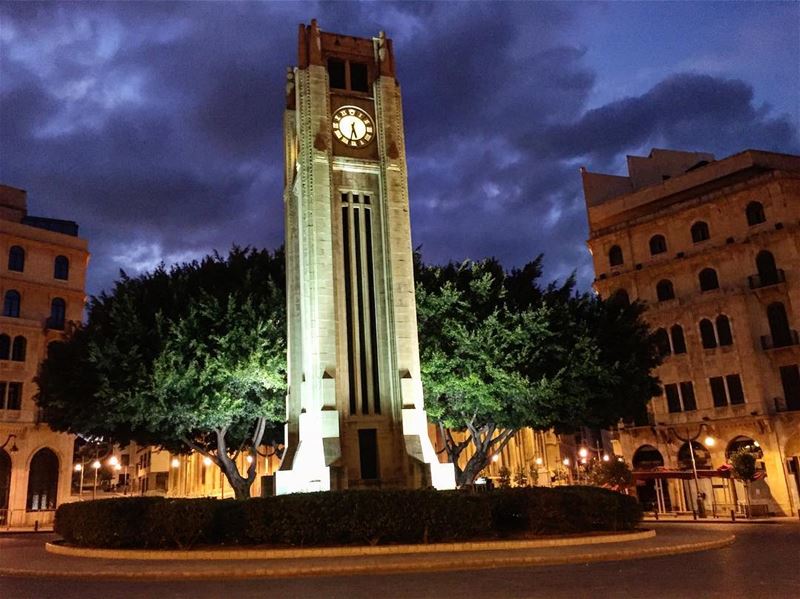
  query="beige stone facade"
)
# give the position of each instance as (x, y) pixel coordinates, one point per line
(712, 248)
(42, 274)
(355, 407)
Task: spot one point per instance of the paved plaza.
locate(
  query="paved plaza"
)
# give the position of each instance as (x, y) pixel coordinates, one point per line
(761, 562)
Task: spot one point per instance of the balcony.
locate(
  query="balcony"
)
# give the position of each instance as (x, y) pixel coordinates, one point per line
(787, 339)
(766, 279)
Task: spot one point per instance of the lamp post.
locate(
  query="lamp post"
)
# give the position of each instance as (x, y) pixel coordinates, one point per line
(80, 468)
(96, 465)
(701, 508)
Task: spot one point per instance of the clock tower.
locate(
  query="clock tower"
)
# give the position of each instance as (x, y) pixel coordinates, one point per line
(355, 408)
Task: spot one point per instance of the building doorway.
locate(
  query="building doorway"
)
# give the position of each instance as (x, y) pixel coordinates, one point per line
(653, 493)
(368, 453)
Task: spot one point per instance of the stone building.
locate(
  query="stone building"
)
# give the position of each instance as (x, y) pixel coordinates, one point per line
(42, 272)
(712, 248)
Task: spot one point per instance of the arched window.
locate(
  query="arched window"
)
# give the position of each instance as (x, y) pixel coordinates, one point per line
(61, 268)
(708, 279)
(678, 340)
(743, 443)
(16, 258)
(620, 297)
(58, 313)
(661, 339)
(664, 290)
(755, 213)
(702, 458)
(658, 245)
(700, 231)
(724, 333)
(779, 325)
(11, 303)
(647, 457)
(43, 481)
(19, 348)
(5, 350)
(707, 336)
(767, 269)
(615, 257)
(5, 485)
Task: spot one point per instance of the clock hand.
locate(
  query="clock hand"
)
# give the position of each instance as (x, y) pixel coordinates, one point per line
(352, 131)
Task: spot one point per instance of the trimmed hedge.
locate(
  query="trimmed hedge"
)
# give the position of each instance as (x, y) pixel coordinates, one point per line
(344, 518)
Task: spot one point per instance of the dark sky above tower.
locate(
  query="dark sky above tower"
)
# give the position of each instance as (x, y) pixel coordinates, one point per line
(158, 126)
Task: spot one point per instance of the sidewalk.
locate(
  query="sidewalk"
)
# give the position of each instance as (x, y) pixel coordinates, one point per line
(26, 556)
(669, 519)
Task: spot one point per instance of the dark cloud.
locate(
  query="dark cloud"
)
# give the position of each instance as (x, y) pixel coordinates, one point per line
(158, 126)
(685, 111)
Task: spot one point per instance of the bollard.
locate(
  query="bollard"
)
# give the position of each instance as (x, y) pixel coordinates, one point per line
(35, 526)
(656, 515)
(733, 515)
(694, 515)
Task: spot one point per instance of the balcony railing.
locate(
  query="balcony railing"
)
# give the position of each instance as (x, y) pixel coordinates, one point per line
(766, 279)
(775, 341)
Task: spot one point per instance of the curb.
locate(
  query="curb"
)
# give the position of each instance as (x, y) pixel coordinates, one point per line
(386, 568)
(317, 552)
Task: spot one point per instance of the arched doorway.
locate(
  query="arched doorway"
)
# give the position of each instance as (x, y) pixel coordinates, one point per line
(702, 457)
(5, 485)
(43, 481)
(653, 493)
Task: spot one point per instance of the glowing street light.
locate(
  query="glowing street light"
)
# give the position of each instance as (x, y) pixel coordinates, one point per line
(206, 461)
(175, 463)
(606, 458)
(583, 452)
(113, 461)
(495, 458)
(78, 468)
(96, 465)
(249, 459)
(710, 441)
(566, 462)
(539, 461)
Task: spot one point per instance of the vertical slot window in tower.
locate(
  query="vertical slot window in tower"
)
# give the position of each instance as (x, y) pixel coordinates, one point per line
(362, 346)
(373, 328)
(348, 295)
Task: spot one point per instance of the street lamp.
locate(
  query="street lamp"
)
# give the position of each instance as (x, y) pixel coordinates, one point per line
(96, 465)
(709, 440)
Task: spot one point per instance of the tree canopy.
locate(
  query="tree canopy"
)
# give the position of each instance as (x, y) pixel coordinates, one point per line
(499, 353)
(191, 357)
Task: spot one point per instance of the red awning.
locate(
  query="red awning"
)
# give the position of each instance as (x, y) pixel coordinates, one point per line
(661, 473)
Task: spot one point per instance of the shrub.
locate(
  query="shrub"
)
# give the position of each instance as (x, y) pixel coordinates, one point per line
(344, 518)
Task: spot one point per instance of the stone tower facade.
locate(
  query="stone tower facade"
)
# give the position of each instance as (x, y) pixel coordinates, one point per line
(355, 406)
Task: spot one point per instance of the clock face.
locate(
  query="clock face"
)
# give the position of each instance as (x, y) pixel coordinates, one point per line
(353, 127)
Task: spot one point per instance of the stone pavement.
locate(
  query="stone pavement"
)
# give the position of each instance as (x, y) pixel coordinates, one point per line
(25, 556)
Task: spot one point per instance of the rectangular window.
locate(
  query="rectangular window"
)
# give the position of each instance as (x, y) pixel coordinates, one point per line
(336, 73)
(687, 394)
(718, 391)
(348, 301)
(673, 400)
(735, 391)
(3, 386)
(14, 399)
(359, 80)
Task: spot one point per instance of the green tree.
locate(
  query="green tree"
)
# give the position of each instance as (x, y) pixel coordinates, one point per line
(190, 358)
(743, 467)
(499, 353)
(614, 474)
